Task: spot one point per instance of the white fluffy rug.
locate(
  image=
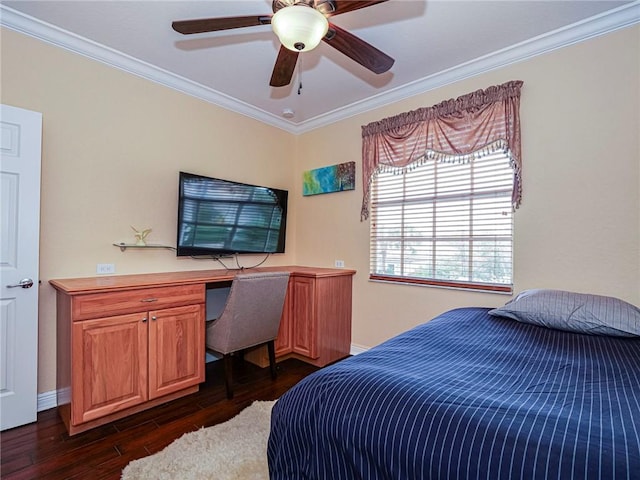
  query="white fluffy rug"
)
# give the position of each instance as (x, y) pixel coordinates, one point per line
(236, 449)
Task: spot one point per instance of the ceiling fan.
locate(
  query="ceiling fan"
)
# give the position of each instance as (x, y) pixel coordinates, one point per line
(301, 25)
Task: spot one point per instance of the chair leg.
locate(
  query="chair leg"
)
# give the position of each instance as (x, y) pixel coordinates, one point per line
(228, 374)
(272, 358)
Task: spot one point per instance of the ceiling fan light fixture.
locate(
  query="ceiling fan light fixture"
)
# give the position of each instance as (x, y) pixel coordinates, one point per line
(299, 27)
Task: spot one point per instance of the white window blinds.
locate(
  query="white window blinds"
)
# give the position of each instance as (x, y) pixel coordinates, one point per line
(444, 223)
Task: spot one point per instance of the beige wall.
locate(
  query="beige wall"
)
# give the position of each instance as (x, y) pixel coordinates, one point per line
(113, 144)
(578, 227)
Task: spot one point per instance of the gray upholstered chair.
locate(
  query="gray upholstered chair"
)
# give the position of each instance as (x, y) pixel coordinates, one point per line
(251, 317)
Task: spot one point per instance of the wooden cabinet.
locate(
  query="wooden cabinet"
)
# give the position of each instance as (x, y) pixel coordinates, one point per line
(176, 349)
(304, 338)
(316, 320)
(126, 343)
(127, 362)
(111, 368)
(326, 319)
(283, 341)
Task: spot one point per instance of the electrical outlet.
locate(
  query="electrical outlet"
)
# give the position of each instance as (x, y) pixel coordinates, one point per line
(105, 268)
(339, 264)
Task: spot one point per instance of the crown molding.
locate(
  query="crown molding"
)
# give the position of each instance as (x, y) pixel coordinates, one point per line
(604, 23)
(59, 37)
(615, 19)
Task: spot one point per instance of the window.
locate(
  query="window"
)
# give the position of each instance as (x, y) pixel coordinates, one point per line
(444, 223)
(440, 185)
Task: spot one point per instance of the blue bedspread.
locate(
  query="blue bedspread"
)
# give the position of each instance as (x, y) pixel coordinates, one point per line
(466, 396)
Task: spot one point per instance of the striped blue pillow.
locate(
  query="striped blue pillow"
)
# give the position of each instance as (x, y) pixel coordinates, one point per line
(573, 312)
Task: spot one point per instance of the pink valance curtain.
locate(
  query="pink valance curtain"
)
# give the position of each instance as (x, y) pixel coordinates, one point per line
(484, 121)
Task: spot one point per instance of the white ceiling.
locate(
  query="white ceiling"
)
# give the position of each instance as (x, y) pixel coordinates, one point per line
(433, 42)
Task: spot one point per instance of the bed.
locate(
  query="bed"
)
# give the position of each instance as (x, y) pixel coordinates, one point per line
(468, 395)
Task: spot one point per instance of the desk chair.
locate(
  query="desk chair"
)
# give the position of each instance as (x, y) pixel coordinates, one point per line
(251, 317)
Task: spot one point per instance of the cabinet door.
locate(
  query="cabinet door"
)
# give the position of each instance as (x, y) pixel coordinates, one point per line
(283, 340)
(304, 341)
(176, 349)
(109, 357)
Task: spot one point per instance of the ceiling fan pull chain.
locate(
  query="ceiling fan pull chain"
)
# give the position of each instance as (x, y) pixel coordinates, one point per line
(300, 75)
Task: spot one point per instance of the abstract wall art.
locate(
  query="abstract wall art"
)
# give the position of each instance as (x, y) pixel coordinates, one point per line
(334, 178)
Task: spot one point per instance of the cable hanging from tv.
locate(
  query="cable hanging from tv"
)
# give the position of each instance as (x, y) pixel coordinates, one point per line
(218, 258)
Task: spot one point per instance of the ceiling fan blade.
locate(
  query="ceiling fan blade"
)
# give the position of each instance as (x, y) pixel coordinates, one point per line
(202, 25)
(344, 6)
(358, 50)
(284, 67)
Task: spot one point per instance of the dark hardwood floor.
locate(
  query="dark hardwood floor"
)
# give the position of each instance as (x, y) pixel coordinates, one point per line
(44, 449)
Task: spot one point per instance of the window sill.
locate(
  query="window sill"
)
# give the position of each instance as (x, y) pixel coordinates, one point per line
(423, 282)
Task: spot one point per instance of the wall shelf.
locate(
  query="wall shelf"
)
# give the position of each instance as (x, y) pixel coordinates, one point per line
(124, 246)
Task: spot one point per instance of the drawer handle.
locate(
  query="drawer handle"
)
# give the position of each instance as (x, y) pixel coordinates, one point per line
(149, 300)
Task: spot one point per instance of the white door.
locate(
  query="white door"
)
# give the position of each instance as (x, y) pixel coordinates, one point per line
(20, 145)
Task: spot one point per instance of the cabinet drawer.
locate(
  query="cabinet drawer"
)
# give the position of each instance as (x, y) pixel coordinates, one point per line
(96, 305)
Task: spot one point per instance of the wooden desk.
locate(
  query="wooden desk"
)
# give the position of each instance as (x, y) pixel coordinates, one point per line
(126, 343)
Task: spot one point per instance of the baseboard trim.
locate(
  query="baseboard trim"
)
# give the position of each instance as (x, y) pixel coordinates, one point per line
(47, 400)
(356, 349)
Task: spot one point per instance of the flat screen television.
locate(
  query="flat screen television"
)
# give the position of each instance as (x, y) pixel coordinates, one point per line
(222, 217)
